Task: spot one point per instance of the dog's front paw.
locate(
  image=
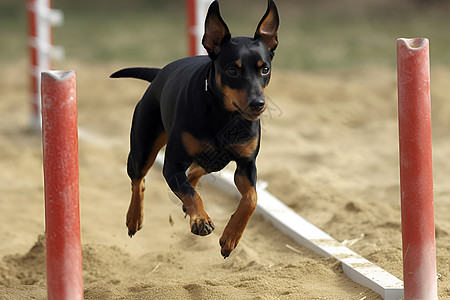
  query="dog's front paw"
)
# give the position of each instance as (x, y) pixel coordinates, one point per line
(202, 226)
(229, 241)
(134, 223)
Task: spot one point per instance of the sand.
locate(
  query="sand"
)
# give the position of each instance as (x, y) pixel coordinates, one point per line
(329, 151)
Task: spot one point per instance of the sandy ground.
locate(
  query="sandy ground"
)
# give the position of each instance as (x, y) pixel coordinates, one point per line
(329, 151)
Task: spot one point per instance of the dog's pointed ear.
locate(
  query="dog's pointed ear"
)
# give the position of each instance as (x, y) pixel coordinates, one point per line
(216, 31)
(267, 30)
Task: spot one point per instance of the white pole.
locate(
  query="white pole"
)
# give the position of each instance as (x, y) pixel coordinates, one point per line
(40, 41)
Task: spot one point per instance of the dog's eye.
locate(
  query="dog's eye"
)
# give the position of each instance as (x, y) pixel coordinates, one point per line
(232, 72)
(265, 70)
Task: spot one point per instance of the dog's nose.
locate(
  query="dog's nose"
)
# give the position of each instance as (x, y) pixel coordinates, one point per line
(257, 105)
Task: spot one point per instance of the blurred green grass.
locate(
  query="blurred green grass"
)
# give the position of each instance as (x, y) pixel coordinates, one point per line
(318, 35)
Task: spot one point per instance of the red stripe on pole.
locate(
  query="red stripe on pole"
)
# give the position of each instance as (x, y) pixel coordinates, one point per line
(32, 30)
(191, 26)
(416, 174)
(34, 95)
(32, 35)
(62, 213)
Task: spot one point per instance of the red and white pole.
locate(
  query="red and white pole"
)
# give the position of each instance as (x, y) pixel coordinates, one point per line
(196, 14)
(34, 81)
(191, 26)
(416, 172)
(41, 18)
(62, 211)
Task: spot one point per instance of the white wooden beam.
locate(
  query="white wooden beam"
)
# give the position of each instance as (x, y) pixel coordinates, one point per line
(356, 267)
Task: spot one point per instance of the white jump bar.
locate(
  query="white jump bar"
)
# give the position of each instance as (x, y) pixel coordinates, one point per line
(304, 233)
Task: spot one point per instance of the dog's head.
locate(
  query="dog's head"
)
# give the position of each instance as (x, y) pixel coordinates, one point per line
(242, 64)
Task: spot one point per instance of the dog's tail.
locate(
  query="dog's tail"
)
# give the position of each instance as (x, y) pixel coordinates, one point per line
(147, 74)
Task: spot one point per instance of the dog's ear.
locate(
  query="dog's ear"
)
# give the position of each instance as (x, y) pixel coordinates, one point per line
(216, 31)
(267, 30)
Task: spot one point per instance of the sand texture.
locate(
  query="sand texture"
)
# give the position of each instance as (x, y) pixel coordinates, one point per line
(329, 151)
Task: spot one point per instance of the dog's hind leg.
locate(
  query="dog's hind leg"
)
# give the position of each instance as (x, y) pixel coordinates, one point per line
(146, 139)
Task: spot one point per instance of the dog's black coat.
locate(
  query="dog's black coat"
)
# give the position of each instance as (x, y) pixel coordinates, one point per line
(206, 109)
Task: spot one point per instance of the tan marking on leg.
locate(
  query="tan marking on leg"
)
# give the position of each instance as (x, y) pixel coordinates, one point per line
(135, 214)
(195, 173)
(238, 221)
(200, 222)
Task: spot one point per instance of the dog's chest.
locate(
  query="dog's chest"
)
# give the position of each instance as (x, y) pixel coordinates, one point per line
(213, 160)
(236, 140)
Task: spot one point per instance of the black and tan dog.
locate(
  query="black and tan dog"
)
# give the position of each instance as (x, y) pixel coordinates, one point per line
(206, 109)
